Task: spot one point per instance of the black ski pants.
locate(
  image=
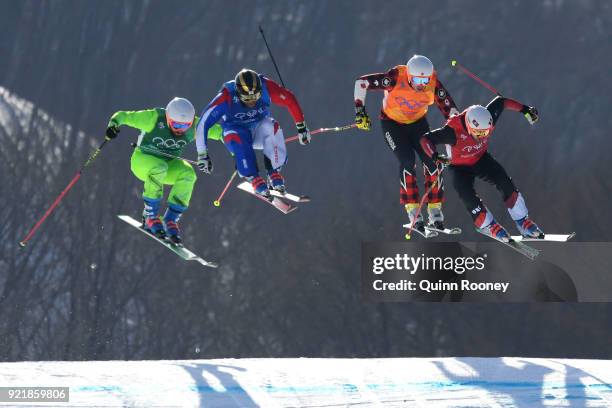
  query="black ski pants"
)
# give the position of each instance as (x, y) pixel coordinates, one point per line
(487, 169)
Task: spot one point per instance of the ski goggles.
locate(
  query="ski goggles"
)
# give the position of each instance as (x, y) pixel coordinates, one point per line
(479, 133)
(250, 98)
(419, 80)
(180, 125)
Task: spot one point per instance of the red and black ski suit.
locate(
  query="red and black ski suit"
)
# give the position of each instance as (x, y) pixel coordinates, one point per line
(403, 120)
(469, 159)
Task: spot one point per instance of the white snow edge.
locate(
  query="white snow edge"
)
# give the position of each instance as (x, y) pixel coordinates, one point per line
(298, 382)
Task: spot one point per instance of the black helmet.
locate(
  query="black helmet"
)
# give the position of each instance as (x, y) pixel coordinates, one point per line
(248, 85)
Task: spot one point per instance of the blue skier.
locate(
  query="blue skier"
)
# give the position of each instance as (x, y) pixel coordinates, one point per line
(242, 108)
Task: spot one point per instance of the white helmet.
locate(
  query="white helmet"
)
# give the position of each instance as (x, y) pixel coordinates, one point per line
(180, 114)
(478, 120)
(420, 70)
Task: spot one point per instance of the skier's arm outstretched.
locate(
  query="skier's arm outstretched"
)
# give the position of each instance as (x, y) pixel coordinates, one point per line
(143, 120)
(499, 104)
(378, 81)
(283, 97)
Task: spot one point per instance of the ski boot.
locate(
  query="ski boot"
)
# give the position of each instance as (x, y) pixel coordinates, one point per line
(419, 224)
(171, 218)
(495, 231)
(260, 187)
(276, 181)
(150, 220)
(435, 216)
(528, 228)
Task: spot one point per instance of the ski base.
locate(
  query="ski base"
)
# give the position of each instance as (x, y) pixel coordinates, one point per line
(428, 233)
(276, 202)
(518, 246)
(547, 237)
(181, 251)
(447, 231)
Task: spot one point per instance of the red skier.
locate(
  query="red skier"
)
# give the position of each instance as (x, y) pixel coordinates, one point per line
(467, 138)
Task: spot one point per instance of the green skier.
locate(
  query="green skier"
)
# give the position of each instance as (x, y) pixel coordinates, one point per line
(164, 133)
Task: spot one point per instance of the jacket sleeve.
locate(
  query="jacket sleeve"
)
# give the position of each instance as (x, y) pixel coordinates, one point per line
(211, 115)
(499, 104)
(284, 97)
(378, 81)
(443, 135)
(143, 120)
(444, 101)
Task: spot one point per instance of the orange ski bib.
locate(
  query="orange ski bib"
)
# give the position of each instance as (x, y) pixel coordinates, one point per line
(405, 105)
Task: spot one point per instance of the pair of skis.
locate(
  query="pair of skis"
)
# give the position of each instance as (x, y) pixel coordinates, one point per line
(180, 250)
(283, 202)
(431, 232)
(517, 242)
(280, 201)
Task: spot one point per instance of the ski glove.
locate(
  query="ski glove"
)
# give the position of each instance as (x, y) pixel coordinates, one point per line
(205, 163)
(531, 114)
(111, 132)
(361, 118)
(441, 161)
(303, 133)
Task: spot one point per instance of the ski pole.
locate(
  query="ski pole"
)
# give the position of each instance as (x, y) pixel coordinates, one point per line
(217, 202)
(454, 63)
(171, 156)
(271, 56)
(418, 212)
(59, 198)
(322, 130)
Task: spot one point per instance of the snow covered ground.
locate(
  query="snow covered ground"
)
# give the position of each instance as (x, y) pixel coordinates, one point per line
(401, 382)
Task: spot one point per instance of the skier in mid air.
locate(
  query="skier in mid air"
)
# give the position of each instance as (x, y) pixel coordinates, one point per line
(164, 133)
(242, 107)
(467, 135)
(409, 90)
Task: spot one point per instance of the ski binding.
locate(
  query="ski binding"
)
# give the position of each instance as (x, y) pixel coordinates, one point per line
(447, 231)
(428, 233)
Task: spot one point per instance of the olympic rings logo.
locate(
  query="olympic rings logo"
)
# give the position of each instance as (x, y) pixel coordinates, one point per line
(250, 114)
(410, 104)
(168, 143)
